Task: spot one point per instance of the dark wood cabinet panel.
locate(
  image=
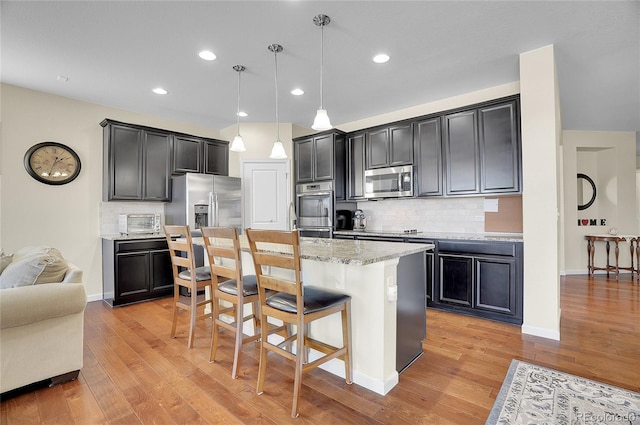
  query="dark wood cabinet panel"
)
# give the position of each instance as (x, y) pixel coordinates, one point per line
(123, 153)
(304, 159)
(428, 155)
(500, 148)
(157, 168)
(495, 288)
(340, 166)
(456, 280)
(187, 154)
(355, 166)
(462, 153)
(323, 157)
(400, 145)
(377, 148)
(216, 157)
(135, 270)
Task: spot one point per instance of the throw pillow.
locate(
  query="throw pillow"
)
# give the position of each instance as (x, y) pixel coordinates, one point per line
(35, 250)
(32, 270)
(5, 260)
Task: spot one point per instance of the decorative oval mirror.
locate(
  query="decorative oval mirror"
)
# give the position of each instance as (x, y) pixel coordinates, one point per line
(586, 191)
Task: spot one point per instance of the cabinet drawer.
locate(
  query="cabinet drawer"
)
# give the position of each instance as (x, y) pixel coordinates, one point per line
(487, 248)
(141, 245)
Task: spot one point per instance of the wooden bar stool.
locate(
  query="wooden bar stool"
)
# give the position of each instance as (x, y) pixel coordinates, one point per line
(187, 275)
(295, 304)
(231, 286)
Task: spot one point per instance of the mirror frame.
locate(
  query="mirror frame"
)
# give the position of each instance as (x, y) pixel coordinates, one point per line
(593, 197)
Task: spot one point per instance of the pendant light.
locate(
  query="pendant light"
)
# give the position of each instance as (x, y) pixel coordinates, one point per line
(277, 152)
(321, 122)
(237, 145)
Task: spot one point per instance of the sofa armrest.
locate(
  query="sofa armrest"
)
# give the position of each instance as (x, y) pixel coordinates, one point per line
(73, 274)
(29, 304)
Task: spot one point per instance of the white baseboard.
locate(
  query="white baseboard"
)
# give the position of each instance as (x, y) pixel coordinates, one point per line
(95, 297)
(541, 332)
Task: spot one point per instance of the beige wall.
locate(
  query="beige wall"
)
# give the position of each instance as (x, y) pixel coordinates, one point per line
(540, 201)
(608, 157)
(67, 216)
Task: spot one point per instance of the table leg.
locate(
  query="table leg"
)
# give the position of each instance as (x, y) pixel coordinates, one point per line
(631, 256)
(608, 263)
(617, 253)
(590, 256)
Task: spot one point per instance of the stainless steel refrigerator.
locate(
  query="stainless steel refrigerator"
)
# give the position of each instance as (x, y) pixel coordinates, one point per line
(201, 200)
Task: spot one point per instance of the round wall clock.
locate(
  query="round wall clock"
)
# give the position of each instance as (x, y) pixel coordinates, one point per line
(52, 163)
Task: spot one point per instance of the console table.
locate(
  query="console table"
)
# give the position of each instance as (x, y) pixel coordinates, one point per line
(616, 240)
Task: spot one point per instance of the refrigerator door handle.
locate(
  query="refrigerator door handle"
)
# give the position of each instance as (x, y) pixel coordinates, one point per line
(211, 211)
(216, 212)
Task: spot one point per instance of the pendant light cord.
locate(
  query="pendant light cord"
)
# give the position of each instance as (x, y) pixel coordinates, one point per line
(238, 110)
(275, 58)
(321, 62)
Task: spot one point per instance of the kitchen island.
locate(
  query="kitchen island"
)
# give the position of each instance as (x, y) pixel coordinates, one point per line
(387, 284)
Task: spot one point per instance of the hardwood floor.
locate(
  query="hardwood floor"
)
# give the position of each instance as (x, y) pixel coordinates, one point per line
(134, 373)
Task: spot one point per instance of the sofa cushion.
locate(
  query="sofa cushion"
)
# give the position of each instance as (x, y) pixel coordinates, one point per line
(33, 269)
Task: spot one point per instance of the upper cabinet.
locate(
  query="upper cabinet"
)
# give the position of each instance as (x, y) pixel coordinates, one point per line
(389, 146)
(321, 157)
(482, 150)
(137, 163)
(355, 166)
(139, 160)
(462, 152)
(427, 148)
(500, 148)
(200, 155)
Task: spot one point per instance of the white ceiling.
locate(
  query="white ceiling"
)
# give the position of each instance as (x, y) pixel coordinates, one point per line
(115, 52)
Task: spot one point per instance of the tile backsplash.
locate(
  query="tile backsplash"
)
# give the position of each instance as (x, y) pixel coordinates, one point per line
(109, 213)
(459, 215)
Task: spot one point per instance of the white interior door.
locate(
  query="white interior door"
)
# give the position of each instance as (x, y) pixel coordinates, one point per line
(266, 194)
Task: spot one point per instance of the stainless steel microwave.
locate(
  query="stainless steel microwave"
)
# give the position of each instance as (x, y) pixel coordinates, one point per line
(129, 224)
(391, 182)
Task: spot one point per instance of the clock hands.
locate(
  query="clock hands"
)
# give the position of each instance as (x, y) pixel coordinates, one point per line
(55, 162)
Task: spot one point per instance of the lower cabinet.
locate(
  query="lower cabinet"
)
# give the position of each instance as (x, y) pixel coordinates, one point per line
(135, 270)
(481, 279)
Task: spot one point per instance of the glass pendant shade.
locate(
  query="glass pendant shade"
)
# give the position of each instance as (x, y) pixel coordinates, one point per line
(278, 152)
(321, 122)
(237, 145)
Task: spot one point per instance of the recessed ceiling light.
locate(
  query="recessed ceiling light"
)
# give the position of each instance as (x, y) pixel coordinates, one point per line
(207, 55)
(297, 92)
(381, 58)
(242, 114)
(160, 90)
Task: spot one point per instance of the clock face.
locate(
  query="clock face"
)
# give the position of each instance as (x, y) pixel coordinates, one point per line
(52, 163)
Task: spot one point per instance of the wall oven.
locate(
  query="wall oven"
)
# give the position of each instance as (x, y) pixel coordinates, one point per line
(314, 209)
(391, 182)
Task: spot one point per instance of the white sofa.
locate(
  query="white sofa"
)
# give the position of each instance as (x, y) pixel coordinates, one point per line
(41, 331)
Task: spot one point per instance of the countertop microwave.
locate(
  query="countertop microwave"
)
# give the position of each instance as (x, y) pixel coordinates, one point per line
(391, 182)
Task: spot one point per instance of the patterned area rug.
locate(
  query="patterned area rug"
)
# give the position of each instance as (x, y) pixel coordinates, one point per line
(533, 394)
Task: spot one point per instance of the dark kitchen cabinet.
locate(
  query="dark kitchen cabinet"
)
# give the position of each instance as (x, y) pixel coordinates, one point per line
(481, 278)
(389, 146)
(427, 147)
(500, 148)
(462, 153)
(137, 163)
(355, 166)
(135, 270)
(320, 157)
(456, 279)
(216, 157)
(200, 155)
(482, 149)
(187, 155)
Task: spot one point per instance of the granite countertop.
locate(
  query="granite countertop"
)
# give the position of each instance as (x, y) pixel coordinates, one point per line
(121, 237)
(504, 237)
(344, 251)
